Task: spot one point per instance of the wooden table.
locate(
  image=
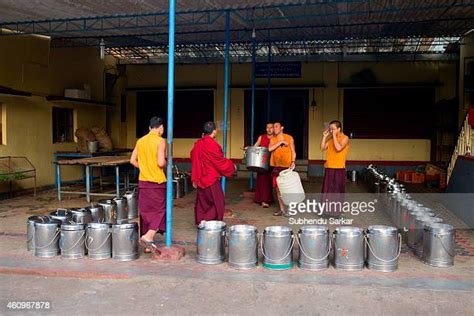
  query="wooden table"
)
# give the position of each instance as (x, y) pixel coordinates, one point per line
(94, 162)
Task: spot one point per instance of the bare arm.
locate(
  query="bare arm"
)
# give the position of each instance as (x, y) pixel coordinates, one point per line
(293, 153)
(134, 157)
(258, 142)
(274, 146)
(340, 146)
(161, 154)
(324, 142)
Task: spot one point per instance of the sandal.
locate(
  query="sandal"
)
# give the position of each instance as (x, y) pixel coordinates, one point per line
(278, 213)
(149, 245)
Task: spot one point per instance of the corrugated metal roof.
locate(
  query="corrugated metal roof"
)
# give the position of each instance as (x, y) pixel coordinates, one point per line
(138, 29)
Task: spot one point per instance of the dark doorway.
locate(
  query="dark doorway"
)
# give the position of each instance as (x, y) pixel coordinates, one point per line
(288, 106)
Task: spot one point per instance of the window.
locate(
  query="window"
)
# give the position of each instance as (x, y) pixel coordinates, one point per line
(405, 113)
(192, 108)
(63, 125)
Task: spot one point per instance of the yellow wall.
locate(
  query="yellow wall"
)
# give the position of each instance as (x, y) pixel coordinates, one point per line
(27, 63)
(329, 100)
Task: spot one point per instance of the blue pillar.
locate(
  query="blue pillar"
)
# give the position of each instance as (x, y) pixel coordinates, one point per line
(169, 133)
(226, 85)
(269, 81)
(252, 111)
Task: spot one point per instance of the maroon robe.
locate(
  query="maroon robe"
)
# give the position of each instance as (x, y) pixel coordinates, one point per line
(208, 165)
(152, 205)
(263, 187)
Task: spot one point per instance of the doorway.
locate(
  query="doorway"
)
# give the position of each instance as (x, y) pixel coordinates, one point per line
(288, 106)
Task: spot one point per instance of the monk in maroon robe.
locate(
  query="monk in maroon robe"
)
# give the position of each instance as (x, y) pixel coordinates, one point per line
(208, 166)
(263, 187)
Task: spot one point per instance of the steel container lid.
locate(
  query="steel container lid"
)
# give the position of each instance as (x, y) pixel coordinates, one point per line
(212, 225)
(48, 221)
(278, 231)
(129, 194)
(96, 225)
(106, 202)
(382, 230)
(242, 229)
(314, 230)
(119, 199)
(36, 218)
(348, 230)
(80, 211)
(72, 226)
(425, 220)
(440, 228)
(61, 213)
(94, 207)
(125, 225)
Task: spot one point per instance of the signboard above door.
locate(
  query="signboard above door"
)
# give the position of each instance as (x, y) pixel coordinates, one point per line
(278, 70)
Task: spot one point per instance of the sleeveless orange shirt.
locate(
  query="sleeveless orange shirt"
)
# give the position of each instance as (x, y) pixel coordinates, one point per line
(335, 159)
(147, 148)
(281, 157)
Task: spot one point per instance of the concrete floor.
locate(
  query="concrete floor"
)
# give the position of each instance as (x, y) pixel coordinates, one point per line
(186, 287)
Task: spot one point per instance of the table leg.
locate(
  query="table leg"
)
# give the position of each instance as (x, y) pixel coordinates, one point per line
(117, 181)
(58, 181)
(88, 184)
(92, 177)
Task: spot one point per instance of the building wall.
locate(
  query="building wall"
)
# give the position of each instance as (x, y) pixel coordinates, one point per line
(28, 64)
(466, 55)
(329, 100)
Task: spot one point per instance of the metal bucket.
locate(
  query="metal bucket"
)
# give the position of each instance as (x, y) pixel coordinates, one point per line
(315, 246)
(211, 242)
(47, 238)
(98, 241)
(384, 245)
(349, 248)
(61, 214)
(257, 158)
(30, 230)
(243, 245)
(81, 215)
(121, 209)
(93, 146)
(410, 231)
(179, 187)
(110, 210)
(125, 242)
(277, 247)
(420, 223)
(438, 245)
(188, 183)
(72, 242)
(132, 204)
(97, 213)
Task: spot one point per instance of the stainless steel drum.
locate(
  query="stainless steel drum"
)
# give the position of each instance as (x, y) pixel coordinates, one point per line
(384, 245)
(349, 248)
(257, 158)
(30, 230)
(72, 241)
(188, 183)
(98, 241)
(97, 213)
(277, 247)
(125, 241)
(81, 215)
(420, 223)
(110, 210)
(132, 204)
(121, 213)
(410, 231)
(179, 187)
(314, 247)
(438, 245)
(243, 246)
(47, 238)
(61, 214)
(211, 242)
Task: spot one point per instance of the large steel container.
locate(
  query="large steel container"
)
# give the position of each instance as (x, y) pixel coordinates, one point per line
(314, 247)
(97, 213)
(125, 241)
(277, 247)
(72, 241)
(349, 252)
(384, 247)
(99, 241)
(47, 238)
(110, 210)
(410, 231)
(30, 230)
(438, 245)
(61, 214)
(257, 158)
(132, 204)
(243, 246)
(81, 215)
(420, 223)
(211, 242)
(121, 213)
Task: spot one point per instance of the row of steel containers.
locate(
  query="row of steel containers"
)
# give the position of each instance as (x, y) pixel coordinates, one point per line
(352, 248)
(422, 229)
(101, 231)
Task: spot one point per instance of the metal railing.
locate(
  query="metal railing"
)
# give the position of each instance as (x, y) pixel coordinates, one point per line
(463, 146)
